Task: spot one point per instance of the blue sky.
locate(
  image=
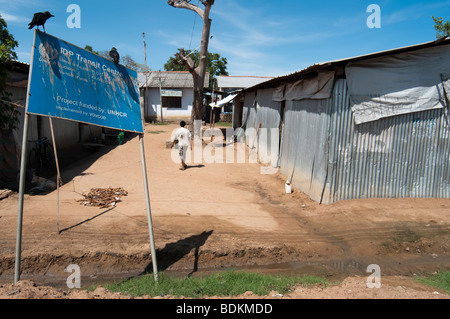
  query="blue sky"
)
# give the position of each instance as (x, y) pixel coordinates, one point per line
(264, 38)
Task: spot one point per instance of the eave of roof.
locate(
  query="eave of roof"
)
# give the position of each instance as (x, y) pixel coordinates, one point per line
(323, 65)
(169, 79)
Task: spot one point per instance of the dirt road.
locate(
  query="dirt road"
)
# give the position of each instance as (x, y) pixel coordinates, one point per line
(215, 216)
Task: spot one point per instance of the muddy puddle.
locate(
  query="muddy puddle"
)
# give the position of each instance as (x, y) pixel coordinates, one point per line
(333, 270)
(337, 269)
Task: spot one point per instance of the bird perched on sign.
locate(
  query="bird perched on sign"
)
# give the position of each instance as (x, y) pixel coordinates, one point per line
(39, 19)
(114, 55)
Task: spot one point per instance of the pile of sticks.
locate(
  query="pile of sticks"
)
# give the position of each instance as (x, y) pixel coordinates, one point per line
(103, 197)
(5, 193)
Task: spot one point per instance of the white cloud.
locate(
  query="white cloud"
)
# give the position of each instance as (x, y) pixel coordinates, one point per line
(10, 18)
(256, 44)
(414, 12)
(179, 40)
(402, 16)
(17, 3)
(357, 21)
(24, 56)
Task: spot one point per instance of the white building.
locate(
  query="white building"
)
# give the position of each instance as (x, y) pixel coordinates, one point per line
(174, 90)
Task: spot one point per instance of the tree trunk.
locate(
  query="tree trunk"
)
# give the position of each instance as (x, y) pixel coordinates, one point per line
(198, 72)
(197, 112)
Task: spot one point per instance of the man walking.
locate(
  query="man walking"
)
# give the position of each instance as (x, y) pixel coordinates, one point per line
(183, 138)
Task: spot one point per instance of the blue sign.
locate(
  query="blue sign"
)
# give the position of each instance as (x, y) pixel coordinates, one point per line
(71, 83)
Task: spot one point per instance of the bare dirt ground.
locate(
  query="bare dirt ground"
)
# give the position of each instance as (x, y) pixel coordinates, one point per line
(216, 216)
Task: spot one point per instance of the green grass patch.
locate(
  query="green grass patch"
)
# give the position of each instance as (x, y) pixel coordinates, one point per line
(157, 132)
(161, 123)
(224, 124)
(222, 284)
(440, 280)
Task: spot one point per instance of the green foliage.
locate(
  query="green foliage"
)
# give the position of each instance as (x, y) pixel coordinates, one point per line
(8, 113)
(7, 42)
(225, 124)
(440, 280)
(228, 283)
(90, 49)
(442, 28)
(216, 64)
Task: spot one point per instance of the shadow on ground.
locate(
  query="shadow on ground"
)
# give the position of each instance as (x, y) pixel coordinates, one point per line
(173, 252)
(72, 163)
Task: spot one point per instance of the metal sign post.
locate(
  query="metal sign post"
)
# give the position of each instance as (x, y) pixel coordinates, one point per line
(21, 195)
(23, 167)
(144, 174)
(147, 201)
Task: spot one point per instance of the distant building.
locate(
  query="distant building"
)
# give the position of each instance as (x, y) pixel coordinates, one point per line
(231, 85)
(174, 90)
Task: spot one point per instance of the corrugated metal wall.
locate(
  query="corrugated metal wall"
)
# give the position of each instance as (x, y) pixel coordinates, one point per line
(249, 113)
(249, 119)
(397, 157)
(305, 142)
(268, 115)
(66, 132)
(332, 159)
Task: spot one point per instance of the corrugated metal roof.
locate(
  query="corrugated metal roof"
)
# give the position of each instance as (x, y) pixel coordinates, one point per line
(313, 68)
(240, 82)
(169, 79)
(21, 63)
(18, 74)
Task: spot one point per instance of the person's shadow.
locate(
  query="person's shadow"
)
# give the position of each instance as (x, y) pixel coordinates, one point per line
(194, 166)
(173, 252)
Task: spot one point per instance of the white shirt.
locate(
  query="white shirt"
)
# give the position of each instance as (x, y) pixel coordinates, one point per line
(183, 136)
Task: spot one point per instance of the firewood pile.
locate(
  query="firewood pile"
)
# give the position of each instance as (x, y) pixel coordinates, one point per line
(103, 197)
(5, 193)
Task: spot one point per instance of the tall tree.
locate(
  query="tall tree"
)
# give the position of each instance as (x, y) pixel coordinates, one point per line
(216, 65)
(198, 71)
(442, 28)
(130, 63)
(8, 113)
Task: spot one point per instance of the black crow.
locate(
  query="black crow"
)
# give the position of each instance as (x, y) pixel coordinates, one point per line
(114, 55)
(39, 19)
